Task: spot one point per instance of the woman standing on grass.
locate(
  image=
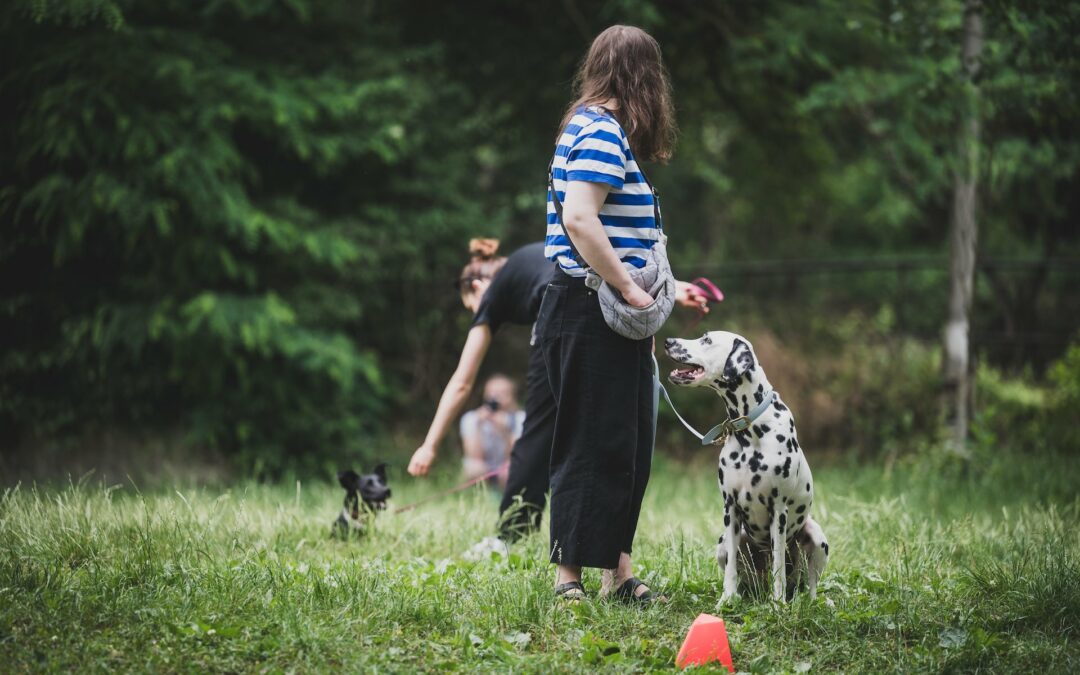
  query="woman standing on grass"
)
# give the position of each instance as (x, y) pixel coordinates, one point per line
(500, 290)
(602, 382)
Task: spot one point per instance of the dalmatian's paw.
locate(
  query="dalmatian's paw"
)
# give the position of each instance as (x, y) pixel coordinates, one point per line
(728, 599)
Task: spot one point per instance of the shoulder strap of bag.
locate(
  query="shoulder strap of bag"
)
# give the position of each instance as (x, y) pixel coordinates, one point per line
(558, 216)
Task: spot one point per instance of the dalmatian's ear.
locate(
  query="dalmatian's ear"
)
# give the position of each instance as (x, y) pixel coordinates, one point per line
(739, 361)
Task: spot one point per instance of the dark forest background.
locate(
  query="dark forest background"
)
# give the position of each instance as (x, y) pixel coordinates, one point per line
(230, 227)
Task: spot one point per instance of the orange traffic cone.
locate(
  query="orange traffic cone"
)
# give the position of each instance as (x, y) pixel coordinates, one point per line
(706, 641)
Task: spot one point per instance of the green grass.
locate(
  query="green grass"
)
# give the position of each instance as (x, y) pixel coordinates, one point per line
(931, 571)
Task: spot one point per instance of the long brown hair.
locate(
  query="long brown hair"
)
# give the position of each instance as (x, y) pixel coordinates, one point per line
(624, 64)
(484, 264)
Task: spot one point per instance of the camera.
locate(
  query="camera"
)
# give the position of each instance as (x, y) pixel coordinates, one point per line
(491, 404)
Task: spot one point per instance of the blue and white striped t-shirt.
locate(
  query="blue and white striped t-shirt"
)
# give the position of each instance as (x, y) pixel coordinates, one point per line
(594, 148)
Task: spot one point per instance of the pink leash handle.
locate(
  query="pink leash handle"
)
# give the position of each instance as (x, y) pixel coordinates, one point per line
(710, 289)
(711, 292)
(467, 484)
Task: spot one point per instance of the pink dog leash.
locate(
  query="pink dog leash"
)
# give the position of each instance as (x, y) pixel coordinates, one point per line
(458, 488)
(711, 293)
(710, 289)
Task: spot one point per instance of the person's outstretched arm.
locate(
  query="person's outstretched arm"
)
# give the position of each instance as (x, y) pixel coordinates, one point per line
(453, 397)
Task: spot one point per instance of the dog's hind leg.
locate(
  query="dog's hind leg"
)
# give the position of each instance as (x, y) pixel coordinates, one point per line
(727, 552)
(778, 536)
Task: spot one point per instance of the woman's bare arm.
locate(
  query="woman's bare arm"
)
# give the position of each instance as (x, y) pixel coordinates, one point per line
(453, 397)
(581, 218)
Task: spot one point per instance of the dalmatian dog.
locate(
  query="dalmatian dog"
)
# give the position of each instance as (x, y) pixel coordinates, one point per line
(764, 477)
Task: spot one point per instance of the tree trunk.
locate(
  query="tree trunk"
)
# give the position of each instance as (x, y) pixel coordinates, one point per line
(963, 233)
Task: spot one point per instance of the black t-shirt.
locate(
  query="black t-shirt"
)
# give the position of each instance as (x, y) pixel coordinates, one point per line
(516, 291)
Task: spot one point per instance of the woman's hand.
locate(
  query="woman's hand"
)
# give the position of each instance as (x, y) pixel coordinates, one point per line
(636, 297)
(691, 296)
(421, 460)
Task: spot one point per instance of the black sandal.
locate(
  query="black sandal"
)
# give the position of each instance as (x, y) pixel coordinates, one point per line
(572, 591)
(627, 593)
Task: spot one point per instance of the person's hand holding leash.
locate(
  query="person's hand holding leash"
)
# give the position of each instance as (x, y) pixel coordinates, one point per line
(697, 295)
(691, 296)
(421, 460)
(453, 398)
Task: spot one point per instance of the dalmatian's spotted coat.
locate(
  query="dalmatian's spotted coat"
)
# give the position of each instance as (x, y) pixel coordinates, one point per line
(764, 477)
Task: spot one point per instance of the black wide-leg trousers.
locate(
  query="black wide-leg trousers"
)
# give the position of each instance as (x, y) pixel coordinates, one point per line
(527, 485)
(601, 452)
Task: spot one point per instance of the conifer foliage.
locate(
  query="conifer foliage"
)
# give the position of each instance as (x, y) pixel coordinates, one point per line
(193, 193)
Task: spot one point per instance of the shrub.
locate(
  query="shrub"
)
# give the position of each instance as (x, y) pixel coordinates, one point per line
(1065, 400)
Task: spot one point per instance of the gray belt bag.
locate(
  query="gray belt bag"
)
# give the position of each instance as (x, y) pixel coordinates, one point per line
(655, 278)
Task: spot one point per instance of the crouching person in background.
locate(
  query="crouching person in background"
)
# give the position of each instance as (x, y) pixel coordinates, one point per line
(488, 432)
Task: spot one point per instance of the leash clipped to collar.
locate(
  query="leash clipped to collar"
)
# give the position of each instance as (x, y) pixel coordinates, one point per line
(718, 434)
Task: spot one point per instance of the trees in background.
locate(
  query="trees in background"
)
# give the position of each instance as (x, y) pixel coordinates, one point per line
(240, 219)
(206, 209)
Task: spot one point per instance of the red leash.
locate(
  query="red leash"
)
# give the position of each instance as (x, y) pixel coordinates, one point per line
(467, 484)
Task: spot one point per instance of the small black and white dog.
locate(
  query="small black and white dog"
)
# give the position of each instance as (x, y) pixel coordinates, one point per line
(364, 496)
(764, 478)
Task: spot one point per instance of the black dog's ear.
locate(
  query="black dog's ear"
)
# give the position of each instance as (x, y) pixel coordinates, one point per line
(349, 479)
(739, 361)
(380, 471)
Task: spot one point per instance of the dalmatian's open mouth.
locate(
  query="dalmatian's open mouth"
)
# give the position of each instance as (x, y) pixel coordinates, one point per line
(688, 372)
(687, 375)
